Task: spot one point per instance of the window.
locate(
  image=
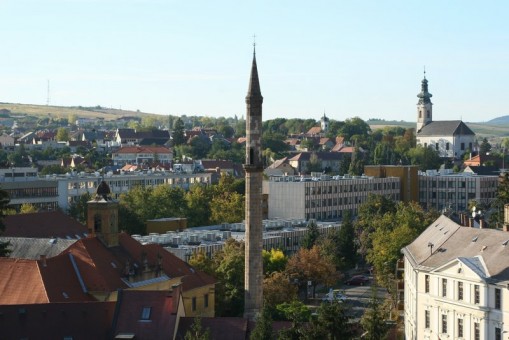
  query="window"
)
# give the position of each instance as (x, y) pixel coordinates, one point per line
(477, 331)
(462, 146)
(145, 313)
(447, 146)
(460, 290)
(427, 112)
(444, 323)
(444, 287)
(426, 284)
(206, 300)
(498, 333)
(497, 298)
(460, 328)
(193, 302)
(436, 146)
(477, 295)
(426, 319)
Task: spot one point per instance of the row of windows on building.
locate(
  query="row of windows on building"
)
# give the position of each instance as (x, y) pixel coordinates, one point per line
(32, 192)
(334, 189)
(460, 333)
(459, 292)
(453, 184)
(452, 196)
(448, 145)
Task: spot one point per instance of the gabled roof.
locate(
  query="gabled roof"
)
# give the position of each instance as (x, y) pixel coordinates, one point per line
(32, 248)
(315, 130)
(161, 314)
(21, 282)
(445, 128)
(86, 320)
(48, 224)
(278, 163)
(451, 241)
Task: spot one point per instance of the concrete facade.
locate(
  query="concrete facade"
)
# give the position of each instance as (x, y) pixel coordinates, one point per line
(325, 198)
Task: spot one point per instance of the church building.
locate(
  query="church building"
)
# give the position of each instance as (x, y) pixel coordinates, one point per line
(451, 138)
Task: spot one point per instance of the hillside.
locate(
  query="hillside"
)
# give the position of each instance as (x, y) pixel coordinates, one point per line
(64, 111)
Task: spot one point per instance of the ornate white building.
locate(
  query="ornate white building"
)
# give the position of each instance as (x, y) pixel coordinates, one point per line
(456, 283)
(451, 138)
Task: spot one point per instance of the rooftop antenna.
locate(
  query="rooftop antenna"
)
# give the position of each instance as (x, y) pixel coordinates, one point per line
(47, 95)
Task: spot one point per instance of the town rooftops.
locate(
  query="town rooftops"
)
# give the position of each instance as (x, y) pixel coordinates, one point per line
(445, 128)
(444, 241)
(32, 248)
(50, 224)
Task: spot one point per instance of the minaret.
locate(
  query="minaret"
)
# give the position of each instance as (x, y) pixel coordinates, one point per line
(253, 275)
(424, 110)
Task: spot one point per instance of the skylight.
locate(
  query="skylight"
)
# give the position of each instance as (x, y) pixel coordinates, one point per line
(145, 313)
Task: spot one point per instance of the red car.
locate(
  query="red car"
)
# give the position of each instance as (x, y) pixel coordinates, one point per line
(360, 280)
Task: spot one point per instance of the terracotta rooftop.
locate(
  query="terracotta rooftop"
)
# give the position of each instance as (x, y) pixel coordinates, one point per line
(21, 282)
(143, 149)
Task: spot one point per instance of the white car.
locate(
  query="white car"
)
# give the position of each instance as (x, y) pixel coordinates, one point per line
(334, 295)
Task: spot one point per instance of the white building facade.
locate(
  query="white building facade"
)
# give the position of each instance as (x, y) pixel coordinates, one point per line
(456, 283)
(325, 198)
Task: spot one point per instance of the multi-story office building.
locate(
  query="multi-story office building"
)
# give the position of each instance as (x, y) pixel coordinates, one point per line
(456, 282)
(57, 191)
(325, 198)
(448, 190)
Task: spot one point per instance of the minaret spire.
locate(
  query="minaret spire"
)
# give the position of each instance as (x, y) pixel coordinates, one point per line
(253, 275)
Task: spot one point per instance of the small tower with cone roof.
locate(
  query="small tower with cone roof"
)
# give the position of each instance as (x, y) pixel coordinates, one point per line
(424, 106)
(102, 216)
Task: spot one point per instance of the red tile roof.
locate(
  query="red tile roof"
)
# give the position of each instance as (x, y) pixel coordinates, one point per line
(314, 130)
(143, 149)
(21, 282)
(43, 224)
(161, 318)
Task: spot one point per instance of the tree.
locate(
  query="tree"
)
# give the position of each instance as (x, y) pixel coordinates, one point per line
(227, 207)
(311, 236)
(263, 327)
(314, 164)
(277, 289)
(27, 208)
(201, 261)
(198, 205)
(332, 322)
(4, 201)
(273, 261)
(62, 135)
(426, 157)
(309, 265)
(178, 133)
(78, 208)
(485, 147)
(374, 319)
(296, 312)
(340, 246)
(196, 332)
(229, 271)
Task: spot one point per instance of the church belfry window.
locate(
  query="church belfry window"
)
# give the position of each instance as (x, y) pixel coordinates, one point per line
(97, 222)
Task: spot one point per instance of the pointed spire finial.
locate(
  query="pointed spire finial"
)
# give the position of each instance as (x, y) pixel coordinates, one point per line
(254, 43)
(424, 71)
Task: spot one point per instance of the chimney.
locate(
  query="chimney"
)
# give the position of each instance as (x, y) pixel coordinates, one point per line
(470, 222)
(43, 260)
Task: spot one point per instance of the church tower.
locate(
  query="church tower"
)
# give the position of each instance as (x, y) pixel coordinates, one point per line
(424, 110)
(253, 275)
(324, 123)
(102, 216)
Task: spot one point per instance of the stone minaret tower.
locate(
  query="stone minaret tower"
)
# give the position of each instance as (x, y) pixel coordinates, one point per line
(253, 276)
(102, 216)
(424, 111)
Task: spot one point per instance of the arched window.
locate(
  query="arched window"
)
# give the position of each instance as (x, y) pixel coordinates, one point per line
(97, 222)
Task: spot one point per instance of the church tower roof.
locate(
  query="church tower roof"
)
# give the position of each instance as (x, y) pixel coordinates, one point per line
(424, 96)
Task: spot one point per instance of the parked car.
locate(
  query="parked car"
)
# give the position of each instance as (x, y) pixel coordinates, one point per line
(358, 280)
(334, 295)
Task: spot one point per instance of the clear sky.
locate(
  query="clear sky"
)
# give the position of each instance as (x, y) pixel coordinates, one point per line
(193, 57)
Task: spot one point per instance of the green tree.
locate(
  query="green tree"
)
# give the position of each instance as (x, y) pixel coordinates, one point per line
(201, 261)
(4, 201)
(340, 245)
(485, 147)
(196, 332)
(425, 157)
(374, 319)
(198, 206)
(296, 312)
(62, 135)
(200, 147)
(263, 326)
(78, 208)
(332, 322)
(178, 134)
(278, 288)
(314, 164)
(229, 271)
(311, 236)
(227, 207)
(273, 261)
(27, 208)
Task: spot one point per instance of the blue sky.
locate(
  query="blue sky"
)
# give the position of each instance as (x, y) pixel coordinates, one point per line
(192, 57)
